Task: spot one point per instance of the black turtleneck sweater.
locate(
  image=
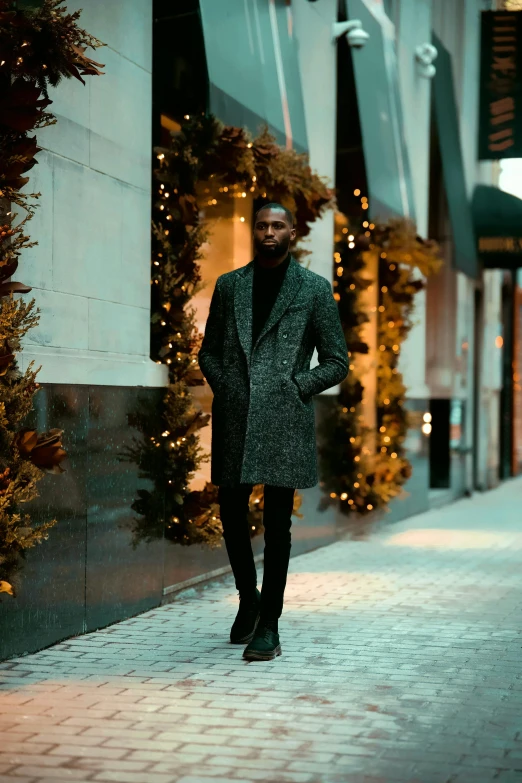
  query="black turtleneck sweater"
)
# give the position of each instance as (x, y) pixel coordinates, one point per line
(266, 285)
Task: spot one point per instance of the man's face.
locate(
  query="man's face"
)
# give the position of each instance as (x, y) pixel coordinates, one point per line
(272, 233)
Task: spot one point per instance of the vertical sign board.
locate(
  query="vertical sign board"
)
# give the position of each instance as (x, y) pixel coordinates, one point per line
(500, 119)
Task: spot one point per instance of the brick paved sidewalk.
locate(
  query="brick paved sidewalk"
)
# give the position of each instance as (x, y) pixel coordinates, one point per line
(401, 662)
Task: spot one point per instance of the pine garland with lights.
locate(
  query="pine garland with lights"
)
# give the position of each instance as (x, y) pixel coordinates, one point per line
(363, 469)
(37, 48)
(230, 164)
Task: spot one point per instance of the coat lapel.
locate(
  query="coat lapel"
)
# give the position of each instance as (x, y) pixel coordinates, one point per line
(243, 303)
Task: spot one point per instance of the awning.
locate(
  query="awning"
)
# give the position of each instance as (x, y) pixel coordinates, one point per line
(376, 83)
(447, 124)
(498, 226)
(253, 67)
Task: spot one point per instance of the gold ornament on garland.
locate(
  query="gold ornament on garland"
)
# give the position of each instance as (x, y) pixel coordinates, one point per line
(38, 47)
(231, 164)
(362, 469)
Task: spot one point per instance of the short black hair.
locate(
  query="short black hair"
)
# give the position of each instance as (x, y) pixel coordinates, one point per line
(275, 205)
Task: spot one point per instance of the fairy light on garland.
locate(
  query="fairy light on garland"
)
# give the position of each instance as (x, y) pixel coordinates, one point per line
(362, 469)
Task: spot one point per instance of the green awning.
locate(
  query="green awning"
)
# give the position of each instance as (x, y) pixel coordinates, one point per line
(447, 125)
(498, 226)
(382, 128)
(253, 68)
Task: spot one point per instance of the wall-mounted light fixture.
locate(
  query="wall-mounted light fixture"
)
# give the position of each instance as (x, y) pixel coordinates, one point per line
(353, 30)
(425, 54)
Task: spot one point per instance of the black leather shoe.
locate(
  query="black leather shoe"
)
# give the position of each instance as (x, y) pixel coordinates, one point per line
(246, 620)
(265, 643)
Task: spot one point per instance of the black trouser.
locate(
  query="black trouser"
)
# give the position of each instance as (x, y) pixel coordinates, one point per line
(277, 521)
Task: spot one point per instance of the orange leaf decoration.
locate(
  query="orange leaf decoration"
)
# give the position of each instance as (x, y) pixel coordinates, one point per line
(5, 587)
(5, 362)
(189, 208)
(44, 450)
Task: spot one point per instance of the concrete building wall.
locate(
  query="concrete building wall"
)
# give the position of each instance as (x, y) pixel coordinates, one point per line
(318, 67)
(90, 270)
(413, 29)
(458, 26)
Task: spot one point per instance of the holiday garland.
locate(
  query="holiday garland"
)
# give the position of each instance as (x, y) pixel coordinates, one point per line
(37, 48)
(363, 469)
(230, 164)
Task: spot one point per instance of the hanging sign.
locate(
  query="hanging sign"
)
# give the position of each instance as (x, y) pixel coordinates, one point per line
(500, 119)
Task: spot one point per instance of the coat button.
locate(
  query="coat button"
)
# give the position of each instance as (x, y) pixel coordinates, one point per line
(285, 335)
(285, 361)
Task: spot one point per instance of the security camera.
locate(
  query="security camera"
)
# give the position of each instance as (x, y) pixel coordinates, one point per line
(353, 31)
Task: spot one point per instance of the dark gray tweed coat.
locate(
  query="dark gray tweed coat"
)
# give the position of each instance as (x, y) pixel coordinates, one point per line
(263, 422)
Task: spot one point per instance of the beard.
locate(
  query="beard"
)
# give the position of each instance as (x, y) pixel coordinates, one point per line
(272, 251)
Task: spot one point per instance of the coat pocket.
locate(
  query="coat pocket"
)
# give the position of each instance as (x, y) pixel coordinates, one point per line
(290, 386)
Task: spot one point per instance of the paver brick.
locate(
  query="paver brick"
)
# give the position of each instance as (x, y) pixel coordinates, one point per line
(58, 773)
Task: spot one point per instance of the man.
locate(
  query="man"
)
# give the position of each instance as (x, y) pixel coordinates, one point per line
(265, 320)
